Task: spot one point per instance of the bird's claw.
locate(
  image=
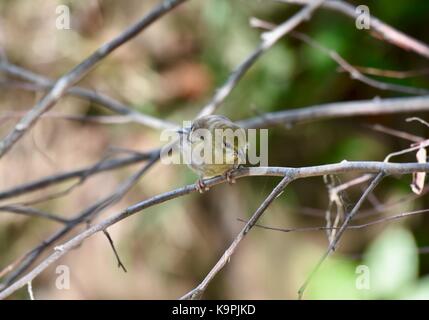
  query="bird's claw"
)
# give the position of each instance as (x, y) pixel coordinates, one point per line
(201, 186)
(229, 177)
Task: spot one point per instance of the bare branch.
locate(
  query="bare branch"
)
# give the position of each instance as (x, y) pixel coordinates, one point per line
(354, 73)
(351, 227)
(292, 174)
(396, 133)
(40, 83)
(390, 73)
(384, 31)
(334, 55)
(418, 120)
(78, 72)
(268, 40)
(32, 212)
(375, 106)
(86, 215)
(112, 245)
(333, 244)
(80, 173)
(199, 290)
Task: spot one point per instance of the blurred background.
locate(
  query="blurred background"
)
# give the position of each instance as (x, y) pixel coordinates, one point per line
(170, 71)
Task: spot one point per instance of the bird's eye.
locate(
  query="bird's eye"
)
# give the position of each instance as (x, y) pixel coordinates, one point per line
(202, 138)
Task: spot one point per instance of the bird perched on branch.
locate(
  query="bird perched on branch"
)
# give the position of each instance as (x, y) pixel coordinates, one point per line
(212, 146)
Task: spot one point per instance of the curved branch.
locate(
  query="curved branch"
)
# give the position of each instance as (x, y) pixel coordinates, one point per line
(292, 173)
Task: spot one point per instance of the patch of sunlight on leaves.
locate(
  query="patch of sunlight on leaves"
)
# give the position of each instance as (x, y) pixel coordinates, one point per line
(393, 262)
(336, 279)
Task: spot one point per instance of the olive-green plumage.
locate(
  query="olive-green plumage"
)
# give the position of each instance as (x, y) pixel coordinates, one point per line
(224, 140)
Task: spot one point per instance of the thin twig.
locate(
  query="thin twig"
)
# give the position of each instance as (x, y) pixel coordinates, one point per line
(383, 30)
(268, 40)
(396, 133)
(33, 212)
(346, 66)
(114, 119)
(199, 290)
(354, 73)
(30, 290)
(296, 173)
(118, 259)
(333, 244)
(84, 216)
(80, 173)
(78, 72)
(40, 83)
(396, 74)
(351, 227)
(419, 120)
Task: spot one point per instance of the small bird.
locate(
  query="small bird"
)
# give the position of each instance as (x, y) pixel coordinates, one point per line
(213, 146)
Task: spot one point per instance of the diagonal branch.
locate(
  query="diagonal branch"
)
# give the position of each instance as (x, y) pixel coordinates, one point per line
(79, 173)
(268, 40)
(84, 216)
(356, 74)
(199, 290)
(78, 72)
(40, 83)
(384, 31)
(345, 66)
(333, 244)
(292, 173)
